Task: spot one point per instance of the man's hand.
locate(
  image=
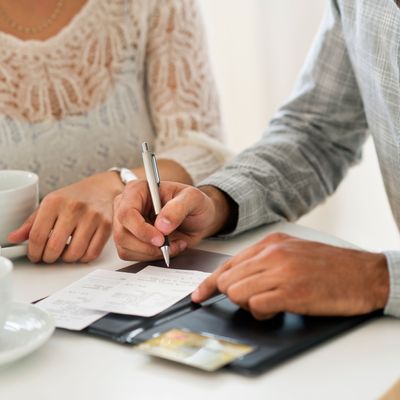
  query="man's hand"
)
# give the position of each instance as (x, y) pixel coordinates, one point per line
(283, 273)
(189, 214)
(82, 210)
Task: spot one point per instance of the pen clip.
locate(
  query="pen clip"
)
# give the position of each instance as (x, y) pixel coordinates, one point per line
(155, 169)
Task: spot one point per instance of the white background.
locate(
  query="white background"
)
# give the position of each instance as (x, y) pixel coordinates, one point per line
(257, 48)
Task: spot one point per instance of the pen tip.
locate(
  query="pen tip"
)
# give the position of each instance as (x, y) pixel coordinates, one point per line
(165, 253)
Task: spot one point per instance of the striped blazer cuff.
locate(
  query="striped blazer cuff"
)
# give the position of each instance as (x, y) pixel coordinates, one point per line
(393, 305)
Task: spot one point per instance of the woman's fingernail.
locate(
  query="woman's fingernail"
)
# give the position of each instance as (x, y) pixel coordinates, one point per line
(11, 235)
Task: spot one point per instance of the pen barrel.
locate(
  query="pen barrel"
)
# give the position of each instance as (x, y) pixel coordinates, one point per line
(152, 180)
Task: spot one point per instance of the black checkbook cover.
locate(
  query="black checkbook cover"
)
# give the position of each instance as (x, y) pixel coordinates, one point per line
(275, 340)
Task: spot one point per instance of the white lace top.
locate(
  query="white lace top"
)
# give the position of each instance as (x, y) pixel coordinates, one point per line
(122, 72)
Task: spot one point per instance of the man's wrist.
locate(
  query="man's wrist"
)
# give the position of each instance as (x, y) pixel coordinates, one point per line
(381, 282)
(226, 210)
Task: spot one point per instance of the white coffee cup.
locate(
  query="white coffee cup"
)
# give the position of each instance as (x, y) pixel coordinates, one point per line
(19, 197)
(5, 290)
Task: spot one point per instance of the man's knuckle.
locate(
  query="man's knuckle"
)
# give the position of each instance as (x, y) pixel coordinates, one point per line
(178, 210)
(254, 304)
(153, 252)
(119, 236)
(124, 254)
(221, 286)
(122, 214)
(258, 315)
(226, 265)
(196, 194)
(256, 308)
(234, 294)
(279, 251)
(134, 186)
(190, 191)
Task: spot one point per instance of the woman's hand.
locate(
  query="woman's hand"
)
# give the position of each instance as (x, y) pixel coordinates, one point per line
(82, 210)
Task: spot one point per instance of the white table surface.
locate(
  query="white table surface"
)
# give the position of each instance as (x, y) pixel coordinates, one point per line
(361, 364)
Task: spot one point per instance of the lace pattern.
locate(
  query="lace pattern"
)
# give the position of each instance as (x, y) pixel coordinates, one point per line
(70, 73)
(121, 72)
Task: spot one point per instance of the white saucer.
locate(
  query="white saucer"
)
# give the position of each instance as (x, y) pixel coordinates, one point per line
(27, 327)
(14, 251)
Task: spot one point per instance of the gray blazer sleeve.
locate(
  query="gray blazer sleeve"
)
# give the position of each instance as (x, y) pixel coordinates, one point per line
(309, 145)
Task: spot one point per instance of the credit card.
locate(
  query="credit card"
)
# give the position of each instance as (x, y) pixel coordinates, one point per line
(199, 350)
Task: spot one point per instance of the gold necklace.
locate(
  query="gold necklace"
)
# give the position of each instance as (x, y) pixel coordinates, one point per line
(36, 29)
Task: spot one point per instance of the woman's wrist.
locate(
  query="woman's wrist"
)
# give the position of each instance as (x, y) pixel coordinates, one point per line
(108, 181)
(111, 180)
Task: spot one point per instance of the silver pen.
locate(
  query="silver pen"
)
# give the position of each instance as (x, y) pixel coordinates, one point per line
(153, 180)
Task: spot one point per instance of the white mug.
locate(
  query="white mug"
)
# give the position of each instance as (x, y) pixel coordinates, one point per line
(19, 197)
(5, 290)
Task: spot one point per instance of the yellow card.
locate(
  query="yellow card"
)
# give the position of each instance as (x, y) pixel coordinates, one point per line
(198, 350)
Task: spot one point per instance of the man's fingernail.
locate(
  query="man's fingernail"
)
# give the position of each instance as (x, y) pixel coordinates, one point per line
(157, 241)
(164, 223)
(196, 295)
(182, 245)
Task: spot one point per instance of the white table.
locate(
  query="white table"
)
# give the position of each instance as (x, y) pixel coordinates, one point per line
(361, 364)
